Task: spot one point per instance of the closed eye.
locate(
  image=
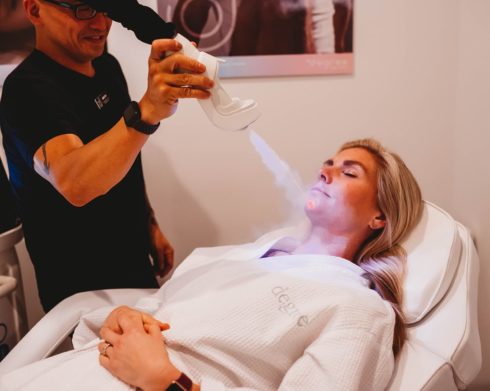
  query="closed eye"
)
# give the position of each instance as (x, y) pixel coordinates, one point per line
(350, 174)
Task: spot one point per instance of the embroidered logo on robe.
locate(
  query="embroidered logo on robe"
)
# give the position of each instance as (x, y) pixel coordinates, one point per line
(288, 307)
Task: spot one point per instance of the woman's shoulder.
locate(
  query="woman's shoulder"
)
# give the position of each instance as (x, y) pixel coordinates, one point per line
(364, 304)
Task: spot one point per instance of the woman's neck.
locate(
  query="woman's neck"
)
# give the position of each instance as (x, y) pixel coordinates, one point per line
(321, 241)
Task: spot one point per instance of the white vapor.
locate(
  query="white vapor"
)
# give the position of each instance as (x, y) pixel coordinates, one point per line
(286, 179)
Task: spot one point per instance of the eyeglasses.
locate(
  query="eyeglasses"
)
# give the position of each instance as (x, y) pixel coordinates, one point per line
(80, 10)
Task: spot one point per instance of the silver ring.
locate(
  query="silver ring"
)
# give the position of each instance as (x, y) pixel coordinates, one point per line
(104, 351)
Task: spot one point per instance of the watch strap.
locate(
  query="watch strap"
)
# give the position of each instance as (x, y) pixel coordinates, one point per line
(132, 118)
(183, 383)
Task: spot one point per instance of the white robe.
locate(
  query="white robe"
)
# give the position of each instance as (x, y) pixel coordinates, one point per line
(241, 322)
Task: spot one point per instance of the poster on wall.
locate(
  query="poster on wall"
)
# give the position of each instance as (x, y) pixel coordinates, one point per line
(16, 36)
(268, 37)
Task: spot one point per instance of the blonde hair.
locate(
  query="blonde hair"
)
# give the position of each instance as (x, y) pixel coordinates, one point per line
(381, 256)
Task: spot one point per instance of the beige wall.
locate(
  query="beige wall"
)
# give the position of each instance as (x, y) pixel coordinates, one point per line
(420, 85)
(471, 181)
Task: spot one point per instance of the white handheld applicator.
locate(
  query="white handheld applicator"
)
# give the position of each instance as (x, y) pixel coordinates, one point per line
(229, 113)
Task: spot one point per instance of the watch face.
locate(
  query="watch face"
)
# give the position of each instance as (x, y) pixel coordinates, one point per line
(132, 114)
(132, 118)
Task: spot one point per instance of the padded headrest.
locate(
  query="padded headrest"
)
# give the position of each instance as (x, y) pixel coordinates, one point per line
(434, 249)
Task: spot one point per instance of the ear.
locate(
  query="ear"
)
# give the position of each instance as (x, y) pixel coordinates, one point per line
(377, 222)
(32, 10)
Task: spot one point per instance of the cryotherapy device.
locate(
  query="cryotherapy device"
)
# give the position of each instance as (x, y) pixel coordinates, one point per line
(229, 113)
(224, 111)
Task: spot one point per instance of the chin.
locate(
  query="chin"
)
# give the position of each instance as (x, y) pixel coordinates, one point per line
(313, 214)
(99, 51)
(94, 50)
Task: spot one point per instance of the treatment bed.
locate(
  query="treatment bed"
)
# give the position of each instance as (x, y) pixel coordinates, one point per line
(442, 353)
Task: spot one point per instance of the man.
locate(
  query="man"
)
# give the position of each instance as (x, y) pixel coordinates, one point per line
(73, 138)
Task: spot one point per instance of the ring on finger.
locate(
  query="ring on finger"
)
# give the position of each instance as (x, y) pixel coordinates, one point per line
(104, 350)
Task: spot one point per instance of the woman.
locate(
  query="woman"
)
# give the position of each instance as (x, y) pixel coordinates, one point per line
(319, 311)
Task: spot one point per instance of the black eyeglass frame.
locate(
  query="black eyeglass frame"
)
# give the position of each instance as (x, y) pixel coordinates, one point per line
(75, 8)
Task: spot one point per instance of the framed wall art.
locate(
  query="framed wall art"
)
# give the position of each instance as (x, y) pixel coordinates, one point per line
(268, 37)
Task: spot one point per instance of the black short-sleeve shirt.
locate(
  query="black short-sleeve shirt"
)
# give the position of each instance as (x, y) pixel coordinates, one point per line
(105, 243)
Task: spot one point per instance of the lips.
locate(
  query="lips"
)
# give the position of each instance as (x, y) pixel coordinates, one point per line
(315, 188)
(95, 37)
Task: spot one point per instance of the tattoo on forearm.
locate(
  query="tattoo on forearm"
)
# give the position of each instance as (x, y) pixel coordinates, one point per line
(45, 156)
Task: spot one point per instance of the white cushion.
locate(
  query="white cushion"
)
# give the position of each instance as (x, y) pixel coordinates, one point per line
(433, 254)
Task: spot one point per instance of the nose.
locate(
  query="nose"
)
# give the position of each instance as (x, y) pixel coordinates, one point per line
(100, 21)
(326, 174)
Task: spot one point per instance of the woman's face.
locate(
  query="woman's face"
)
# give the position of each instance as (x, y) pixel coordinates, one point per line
(344, 197)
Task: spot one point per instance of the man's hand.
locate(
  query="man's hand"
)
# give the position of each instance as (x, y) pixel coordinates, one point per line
(171, 77)
(161, 251)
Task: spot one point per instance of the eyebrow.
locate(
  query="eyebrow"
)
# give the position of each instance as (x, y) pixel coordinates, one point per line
(347, 163)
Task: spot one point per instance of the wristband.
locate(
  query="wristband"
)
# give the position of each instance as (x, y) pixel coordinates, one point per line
(132, 118)
(183, 383)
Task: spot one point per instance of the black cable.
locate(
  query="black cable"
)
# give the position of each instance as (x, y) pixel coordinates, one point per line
(146, 24)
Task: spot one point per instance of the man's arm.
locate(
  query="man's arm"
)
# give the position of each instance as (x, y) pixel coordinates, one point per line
(82, 172)
(161, 251)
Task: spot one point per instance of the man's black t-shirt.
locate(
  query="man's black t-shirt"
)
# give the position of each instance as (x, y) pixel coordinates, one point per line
(104, 244)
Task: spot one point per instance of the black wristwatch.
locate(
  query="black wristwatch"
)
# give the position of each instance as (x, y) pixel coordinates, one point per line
(183, 383)
(132, 118)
